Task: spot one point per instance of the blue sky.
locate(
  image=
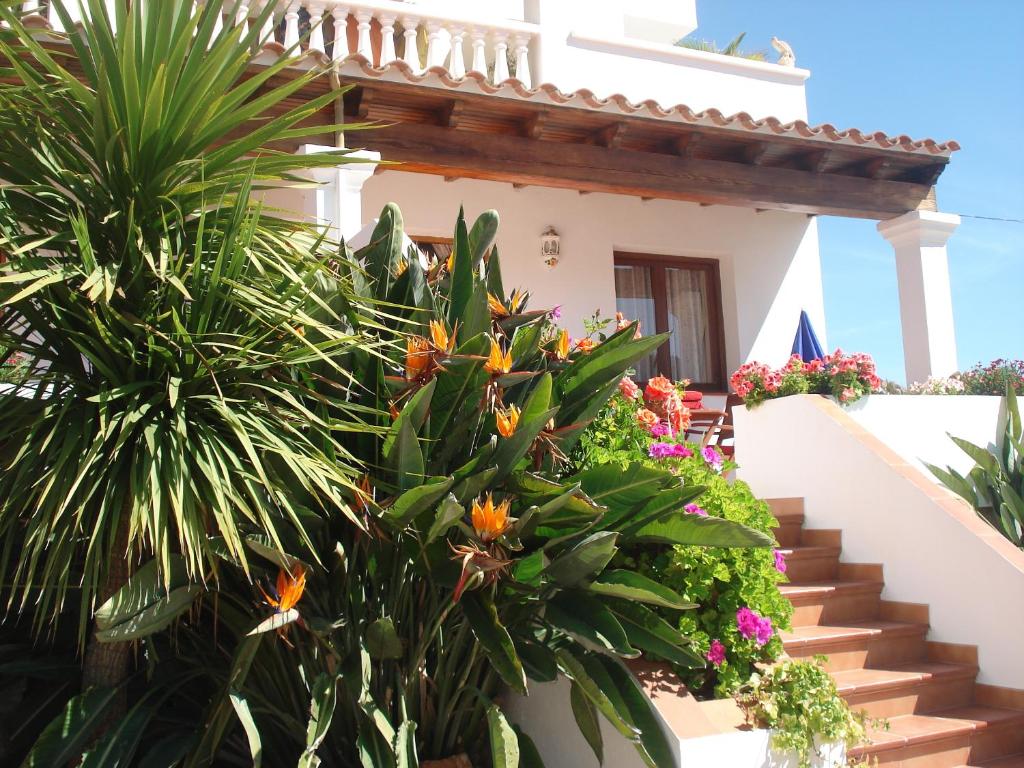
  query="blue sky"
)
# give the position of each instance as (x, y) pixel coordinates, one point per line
(945, 69)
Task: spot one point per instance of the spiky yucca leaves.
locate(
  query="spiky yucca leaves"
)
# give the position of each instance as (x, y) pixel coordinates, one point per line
(170, 323)
(484, 561)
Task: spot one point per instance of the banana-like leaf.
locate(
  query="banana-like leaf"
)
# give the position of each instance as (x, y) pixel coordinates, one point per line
(695, 530)
(448, 513)
(144, 605)
(587, 619)
(630, 585)
(252, 731)
(585, 560)
(529, 756)
(572, 667)
(504, 742)
(649, 632)
(382, 640)
(62, 741)
(275, 622)
(323, 699)
(416, 500)
(585, 713)
(494, 639)
(481, 237)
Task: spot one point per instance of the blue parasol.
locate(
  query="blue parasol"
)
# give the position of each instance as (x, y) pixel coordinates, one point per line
(806, 344)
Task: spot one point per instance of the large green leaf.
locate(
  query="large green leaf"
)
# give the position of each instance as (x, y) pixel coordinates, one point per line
(529, 756)
(252, 731)
(482, 235)
(494, 639)
(416, 500)
(62, 741)
(700, 531)
(585, 713)
(382, 640)
(504, 742)
(585, 617)
(145, 605)
(572, 667)
(630, 585)
(323, 699)
(649, 632)
(585, 560)
(659, 754)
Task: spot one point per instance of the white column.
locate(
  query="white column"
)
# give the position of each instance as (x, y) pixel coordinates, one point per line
(338, 200)
(926, 305)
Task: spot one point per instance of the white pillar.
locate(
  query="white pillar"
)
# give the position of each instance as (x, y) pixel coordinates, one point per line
(926, 305)
(338, 199)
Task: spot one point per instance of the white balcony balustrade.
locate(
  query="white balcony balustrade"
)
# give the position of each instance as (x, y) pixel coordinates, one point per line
(382, 31)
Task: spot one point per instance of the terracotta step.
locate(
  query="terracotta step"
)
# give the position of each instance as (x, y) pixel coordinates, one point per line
(946, 739)
(790, 514)
(811, 563)
(1013, 761)
(858, 644)
(832, 601)
(906, 689)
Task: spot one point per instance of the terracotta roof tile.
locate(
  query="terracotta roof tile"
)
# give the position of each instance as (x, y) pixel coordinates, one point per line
(357, 66)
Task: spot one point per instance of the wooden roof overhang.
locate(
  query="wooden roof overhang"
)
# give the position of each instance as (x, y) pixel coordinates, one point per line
(452, 133)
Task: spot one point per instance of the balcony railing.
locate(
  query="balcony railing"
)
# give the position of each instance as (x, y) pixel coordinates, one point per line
(382, 31)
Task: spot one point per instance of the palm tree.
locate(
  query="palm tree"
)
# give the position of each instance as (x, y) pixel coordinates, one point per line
(732, 49)
(173, 328)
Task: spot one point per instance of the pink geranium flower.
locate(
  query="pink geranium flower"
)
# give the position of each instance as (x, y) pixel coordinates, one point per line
(693, 509)
(716, 653)
(780, 561)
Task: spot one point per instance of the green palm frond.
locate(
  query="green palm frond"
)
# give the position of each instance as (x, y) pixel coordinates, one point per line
(732, 49)
(177, 332)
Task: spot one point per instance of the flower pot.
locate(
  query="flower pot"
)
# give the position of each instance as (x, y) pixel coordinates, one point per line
(457, 761)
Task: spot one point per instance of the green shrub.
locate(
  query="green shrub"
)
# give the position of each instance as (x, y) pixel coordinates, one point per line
(798, 700)
(994, 378)
(720, 581)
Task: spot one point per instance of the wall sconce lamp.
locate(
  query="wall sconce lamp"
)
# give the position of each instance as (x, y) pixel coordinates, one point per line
(550, 247)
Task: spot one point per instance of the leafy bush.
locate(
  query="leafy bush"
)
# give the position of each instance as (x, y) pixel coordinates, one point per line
(723, 583)
(994, 378)
(799, 701)
(995, 485)
(12, 366)
(845, 377)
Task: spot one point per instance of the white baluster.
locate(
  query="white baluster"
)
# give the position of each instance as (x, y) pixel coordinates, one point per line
(434, 56)
(340, 15)
(111, 13)
(291, 25)
(477, 35)
(500, 57)
(316, 27)
(73, 10)
(30, 6)
(364, 47)
(387, 39)
(521, 46)
(457, 64)
(412, 53)
(218, 22)
(267, 31)
(242, 17)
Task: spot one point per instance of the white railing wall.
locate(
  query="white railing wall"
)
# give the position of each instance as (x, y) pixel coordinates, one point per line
(382, 31)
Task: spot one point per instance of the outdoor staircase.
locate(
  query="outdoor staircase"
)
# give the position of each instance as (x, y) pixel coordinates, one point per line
(882, 661)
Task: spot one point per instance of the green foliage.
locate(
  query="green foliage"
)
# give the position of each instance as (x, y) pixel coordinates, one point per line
(799, 701)
(993, 378)
(718, 580)
(732, 49)
(995, 486)
(12, 366)
(172, 324)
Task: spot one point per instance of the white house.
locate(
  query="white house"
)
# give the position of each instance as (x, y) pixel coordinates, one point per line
(684, 186)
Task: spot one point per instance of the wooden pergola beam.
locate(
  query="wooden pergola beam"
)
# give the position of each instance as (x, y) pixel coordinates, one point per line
(591, 168)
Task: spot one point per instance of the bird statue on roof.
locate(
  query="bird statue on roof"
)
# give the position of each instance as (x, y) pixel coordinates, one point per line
(786, 56)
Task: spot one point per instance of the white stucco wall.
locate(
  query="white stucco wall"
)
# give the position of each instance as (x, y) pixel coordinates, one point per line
(917, 427)
(580, 48)
(769, 262)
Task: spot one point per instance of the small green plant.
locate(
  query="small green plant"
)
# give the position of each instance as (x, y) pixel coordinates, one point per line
(994, 378)
(732, 49)
(995, 486)
(799, 702)
(12, 366)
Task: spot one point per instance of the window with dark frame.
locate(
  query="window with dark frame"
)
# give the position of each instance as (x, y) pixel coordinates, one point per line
(680, 296)
(438, 248)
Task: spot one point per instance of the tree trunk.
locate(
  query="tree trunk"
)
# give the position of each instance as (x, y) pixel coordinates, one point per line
(108, 664)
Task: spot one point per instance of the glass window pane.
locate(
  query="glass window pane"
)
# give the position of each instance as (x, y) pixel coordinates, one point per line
(634, 298)
(690, 342)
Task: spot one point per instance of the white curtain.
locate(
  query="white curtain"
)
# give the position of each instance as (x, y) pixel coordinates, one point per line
(634, 298)
(689, 344)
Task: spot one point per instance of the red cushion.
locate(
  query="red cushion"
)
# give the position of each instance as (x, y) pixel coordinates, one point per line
(693, 399)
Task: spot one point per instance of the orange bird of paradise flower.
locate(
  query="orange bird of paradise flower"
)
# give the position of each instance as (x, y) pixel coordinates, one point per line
(508, 420)
(562, 345)
(490, 521)
(498, 362)
(417, 357)
(440, 338)
(290, 587)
